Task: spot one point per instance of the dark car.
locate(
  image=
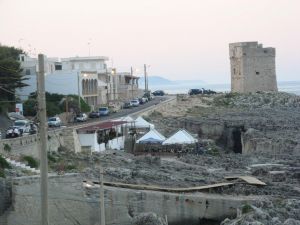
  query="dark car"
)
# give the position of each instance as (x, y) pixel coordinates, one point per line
(158, 93)
(94, 114)
(195, 91)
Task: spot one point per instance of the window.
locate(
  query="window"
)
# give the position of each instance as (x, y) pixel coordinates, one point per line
(22, 58)
(265, 51)
(257, 73)
(58, 67)
(27, 71)
(233, 70)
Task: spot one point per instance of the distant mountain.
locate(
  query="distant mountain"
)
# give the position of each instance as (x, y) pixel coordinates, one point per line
(157, 80)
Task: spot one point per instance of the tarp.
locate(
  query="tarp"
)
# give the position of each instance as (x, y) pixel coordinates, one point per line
(180, 137)
(141, 123)
(153, 136)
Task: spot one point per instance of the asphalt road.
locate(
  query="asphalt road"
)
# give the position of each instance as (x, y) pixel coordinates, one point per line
(122, 112)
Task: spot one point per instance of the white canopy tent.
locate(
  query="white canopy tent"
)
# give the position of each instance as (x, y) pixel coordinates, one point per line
(180, 137)
(153, 136)
(128, 119)
(141, 123)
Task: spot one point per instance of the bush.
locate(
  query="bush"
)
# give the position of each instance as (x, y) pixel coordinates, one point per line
(246, 208)
(51, 158)
(3, 163)
(7, 147)
(2, 174)
(30, 161)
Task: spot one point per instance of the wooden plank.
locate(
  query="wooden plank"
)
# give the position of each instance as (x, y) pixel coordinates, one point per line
(164, 189)
(247, 179)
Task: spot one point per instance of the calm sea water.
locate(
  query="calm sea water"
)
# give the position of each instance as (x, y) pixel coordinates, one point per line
(286, 86)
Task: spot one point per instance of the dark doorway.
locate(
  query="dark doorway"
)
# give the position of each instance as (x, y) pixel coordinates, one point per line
(195, 222)
(237, 140)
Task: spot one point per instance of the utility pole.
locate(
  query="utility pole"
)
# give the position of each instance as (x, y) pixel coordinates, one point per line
(131, 73)
(107, 93)
(145, 76)
(102, 206)
(43, 140)
(78, 82)
(67, 109)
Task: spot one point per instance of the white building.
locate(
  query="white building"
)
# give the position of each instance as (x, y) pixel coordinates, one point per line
(87, 76)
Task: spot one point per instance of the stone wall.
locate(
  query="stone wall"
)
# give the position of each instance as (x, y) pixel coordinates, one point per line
(5, 195)
(71, 203)
(28, 145)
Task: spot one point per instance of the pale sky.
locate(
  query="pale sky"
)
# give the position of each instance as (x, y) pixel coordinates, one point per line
(185, 39)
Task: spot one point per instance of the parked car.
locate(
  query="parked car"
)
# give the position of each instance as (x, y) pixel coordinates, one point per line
(81, 117)
(22, 125)
(127, 105)
(104, 111)
(13, 132)
(33, 128)
(195, 92)
(158, 93)
(135, 102)
(54, 121)
(141, 101)
(114, 108)
(94, 114)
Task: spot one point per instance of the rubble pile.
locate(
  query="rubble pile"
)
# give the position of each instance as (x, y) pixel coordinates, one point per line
(267, 212)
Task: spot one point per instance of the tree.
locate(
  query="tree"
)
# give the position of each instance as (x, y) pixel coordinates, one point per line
(10, 73)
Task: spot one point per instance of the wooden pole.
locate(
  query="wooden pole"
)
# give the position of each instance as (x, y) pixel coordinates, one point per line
(43, 140)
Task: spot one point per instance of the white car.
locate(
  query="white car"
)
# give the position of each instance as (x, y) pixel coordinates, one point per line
(135, 102)
(13, 132)
(81, 117)
(22, 125)
(54, 121)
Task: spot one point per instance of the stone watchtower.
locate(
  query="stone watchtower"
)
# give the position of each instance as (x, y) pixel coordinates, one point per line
(252, 67)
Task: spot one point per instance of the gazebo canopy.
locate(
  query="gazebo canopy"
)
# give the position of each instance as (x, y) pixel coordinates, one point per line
(153, 136)
(141, 123)
(180, 137)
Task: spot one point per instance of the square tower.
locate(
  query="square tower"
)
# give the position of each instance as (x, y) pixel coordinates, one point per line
(252, 67)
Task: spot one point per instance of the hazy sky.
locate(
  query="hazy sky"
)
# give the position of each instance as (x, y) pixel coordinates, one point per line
(185, 39)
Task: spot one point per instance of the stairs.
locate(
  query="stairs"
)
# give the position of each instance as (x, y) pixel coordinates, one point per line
(21, 165)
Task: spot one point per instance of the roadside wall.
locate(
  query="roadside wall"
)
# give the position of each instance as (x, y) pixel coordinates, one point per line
(71, 203)
(28, 145)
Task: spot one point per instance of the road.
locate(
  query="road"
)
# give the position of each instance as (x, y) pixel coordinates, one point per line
(121, 113)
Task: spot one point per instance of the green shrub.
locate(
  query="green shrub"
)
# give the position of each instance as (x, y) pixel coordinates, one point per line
(71, 167)
(7, 147)
(2, 174)
(30, 161)
(3, 163)
(51, 158)
(246, 208)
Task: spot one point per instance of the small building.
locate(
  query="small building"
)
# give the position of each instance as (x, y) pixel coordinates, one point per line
(102, 136)
(252, 67)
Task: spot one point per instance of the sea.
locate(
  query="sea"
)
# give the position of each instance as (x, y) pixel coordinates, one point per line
(292, 87)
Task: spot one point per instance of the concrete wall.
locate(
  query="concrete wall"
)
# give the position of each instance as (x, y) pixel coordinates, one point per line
(252, 67)
(71, 203)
